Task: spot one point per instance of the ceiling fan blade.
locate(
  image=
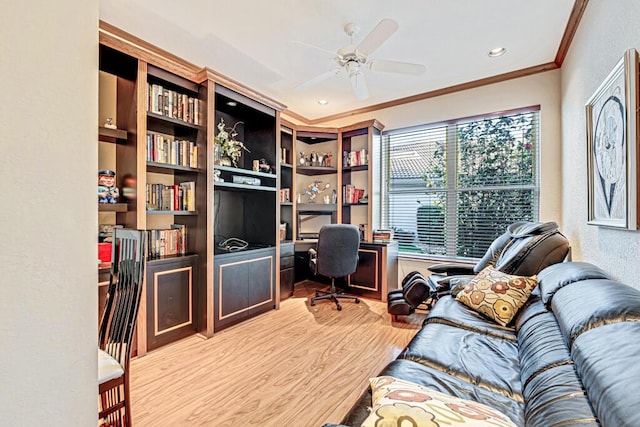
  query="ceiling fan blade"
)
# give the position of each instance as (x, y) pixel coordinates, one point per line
(319, 78)
(396, 67)
(377, 36)
(321, 49)
(359, 85)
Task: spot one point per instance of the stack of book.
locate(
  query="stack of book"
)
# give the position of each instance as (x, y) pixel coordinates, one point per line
(351, 194)
(354, 158)
(172, 104)
(162, 243)
(382, 235)
(177, 197)
(167, 149)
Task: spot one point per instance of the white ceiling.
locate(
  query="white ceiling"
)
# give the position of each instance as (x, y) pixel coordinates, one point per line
(254, 41)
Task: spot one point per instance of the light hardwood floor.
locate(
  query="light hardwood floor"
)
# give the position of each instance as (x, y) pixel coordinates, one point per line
(298, 366)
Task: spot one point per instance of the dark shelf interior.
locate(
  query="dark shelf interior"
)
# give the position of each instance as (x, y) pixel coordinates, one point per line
(160, 123)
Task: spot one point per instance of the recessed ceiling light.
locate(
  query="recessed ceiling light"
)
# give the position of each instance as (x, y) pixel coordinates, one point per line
(232, 103)
(323, 101)
(499, 51)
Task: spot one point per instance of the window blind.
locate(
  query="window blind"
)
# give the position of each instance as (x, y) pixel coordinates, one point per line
(451, 189)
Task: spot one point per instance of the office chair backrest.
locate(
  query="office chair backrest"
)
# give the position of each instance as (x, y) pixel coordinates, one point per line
(123, 295)
(526, 248)
(338, 250)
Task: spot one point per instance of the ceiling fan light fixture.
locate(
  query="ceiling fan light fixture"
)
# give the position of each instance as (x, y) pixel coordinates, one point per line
(499, 51)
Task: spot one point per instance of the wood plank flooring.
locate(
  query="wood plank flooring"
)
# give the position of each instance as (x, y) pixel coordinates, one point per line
(298, 366)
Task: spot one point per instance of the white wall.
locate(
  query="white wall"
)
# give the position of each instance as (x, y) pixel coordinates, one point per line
(540, 89)
(607, 29)
(48, 292)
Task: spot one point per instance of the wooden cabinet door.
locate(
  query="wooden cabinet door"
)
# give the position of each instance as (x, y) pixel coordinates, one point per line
(170, 300)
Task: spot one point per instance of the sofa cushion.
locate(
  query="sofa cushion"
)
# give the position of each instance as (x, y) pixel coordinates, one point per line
(541, 347)
(497, 295)
(482, 360)
(592, 303)
(557, 276)
(450, 312)
(606, 359)
(555, 397)
(396, 401)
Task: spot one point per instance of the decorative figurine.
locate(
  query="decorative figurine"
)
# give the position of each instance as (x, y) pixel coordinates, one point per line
(328, 156)
(216, 176)
(314, 189)
(109, 124)
(107, 191)
(302, 160)
(345, 159)
(263, 166)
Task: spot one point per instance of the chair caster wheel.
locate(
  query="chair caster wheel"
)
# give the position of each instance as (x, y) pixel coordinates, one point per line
(312, 303)
(357, 301)
(339, 307)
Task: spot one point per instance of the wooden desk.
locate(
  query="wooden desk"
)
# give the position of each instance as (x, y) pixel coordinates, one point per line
(376, 273)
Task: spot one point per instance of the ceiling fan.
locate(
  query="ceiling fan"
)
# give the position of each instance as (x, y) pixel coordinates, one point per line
(352, 59)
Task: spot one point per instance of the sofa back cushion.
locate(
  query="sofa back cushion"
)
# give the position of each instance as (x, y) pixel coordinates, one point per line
(557, 276)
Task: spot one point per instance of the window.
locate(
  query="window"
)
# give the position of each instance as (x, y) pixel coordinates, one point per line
(451, 189)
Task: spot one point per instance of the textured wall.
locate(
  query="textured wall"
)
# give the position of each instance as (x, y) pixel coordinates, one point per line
(607, 29)
(48, 292)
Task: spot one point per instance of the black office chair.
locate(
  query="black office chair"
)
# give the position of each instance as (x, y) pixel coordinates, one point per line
(117, 326)
(336, 255)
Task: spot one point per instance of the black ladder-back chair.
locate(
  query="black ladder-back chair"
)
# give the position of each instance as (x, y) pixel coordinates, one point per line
(336, 255)
(117, 326)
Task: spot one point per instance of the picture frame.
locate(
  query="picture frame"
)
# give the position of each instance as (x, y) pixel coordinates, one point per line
(612, 152)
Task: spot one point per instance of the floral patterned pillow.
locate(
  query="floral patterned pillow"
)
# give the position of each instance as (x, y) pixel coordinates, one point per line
(397, 402)
(497, 295)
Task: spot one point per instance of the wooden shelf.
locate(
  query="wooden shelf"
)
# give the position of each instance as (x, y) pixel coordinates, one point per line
(355, 204)
(233, 186)
(168, 167)
(315, 170)
(286, 203)
(114, 136)
(355, 168)
(168, 212)
(165, 119)
(286, 165)
(316, 207)
(247, 172)
(113, 207)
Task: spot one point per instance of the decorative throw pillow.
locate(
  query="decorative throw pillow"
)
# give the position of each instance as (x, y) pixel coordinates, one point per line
(398, 403)
(497, 295)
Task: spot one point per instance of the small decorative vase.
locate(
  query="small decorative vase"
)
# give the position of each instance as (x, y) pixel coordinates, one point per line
(226, 161)
(217, 154)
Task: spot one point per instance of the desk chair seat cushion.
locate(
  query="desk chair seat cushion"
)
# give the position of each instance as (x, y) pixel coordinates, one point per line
(108, 367)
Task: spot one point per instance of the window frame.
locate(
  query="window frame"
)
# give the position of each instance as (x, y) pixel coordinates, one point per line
(451, 188)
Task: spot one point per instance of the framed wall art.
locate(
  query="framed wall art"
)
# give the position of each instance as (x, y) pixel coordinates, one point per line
(612, 116)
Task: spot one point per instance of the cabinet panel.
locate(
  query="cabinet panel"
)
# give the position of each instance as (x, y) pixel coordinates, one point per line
(367, 274)
(286, 283)
(170, 290)
(234, 288)
(244, 285)
(260, 282)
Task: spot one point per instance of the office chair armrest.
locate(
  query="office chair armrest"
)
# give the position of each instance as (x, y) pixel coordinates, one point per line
(452, 269)
(313, 260)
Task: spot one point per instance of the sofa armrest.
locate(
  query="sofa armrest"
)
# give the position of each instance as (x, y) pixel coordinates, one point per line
(451, 268)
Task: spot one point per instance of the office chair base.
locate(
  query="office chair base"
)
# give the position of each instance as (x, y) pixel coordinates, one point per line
(333, 296)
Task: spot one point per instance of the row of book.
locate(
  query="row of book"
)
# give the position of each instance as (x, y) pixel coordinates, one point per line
(172, 104)
(167, 242)
(351, 194)
(167, 149)
(355, 158)
(176, 197)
